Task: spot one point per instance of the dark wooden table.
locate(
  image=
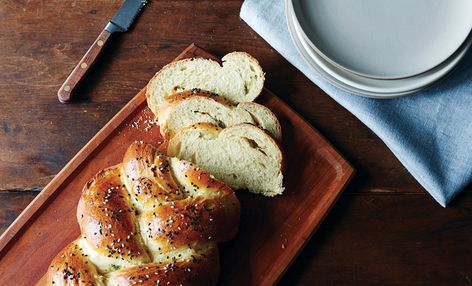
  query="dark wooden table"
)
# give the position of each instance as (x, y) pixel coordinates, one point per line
(385, 229)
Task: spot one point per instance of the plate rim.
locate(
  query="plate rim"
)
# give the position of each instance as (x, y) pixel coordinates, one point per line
(365, 75)
(443, 70)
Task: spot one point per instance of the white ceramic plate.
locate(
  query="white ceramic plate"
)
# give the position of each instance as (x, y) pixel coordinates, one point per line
(386, 39)
(377, 88)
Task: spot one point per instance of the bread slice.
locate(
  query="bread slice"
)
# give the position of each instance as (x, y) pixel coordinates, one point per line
(243, 156)
(239, 79)
(196, 106)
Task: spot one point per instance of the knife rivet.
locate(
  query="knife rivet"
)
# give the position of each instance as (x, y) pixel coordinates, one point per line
(66, 88)
(100, 43)
(83, 65)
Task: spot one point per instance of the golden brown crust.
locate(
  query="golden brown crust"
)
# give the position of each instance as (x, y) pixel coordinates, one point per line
(187, 210)
(200, 270)
(195, 220)
(201, 179)
(148, 177)
(184, 216)
(72, 267)
(107, 218)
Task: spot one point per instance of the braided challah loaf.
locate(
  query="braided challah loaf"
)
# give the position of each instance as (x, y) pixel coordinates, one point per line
(151, 220)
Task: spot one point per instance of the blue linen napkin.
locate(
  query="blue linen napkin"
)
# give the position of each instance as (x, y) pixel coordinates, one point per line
(429, 132)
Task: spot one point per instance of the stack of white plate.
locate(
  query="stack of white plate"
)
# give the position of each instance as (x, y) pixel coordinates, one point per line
(381, 48)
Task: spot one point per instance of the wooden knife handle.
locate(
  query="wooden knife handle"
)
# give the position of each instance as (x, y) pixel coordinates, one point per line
(64, 93)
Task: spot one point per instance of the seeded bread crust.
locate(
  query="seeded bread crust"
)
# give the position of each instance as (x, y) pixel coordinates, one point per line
(150, 220)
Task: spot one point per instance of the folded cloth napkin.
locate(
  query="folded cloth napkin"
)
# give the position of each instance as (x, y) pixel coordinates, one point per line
(429, 132)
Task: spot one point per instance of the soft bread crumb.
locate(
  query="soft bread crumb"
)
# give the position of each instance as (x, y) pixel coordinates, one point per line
(196, 106)
(243, 156)
(239, 79)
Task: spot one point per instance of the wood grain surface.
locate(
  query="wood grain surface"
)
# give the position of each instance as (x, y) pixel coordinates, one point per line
(385, 229)
(272, 231)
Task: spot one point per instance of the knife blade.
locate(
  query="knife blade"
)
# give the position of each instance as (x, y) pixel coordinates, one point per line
(121, 22)
(126, 15)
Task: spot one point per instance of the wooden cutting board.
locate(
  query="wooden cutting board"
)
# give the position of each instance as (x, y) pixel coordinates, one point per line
(272, 230)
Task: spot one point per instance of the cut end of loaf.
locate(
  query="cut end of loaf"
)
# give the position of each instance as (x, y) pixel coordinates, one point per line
(239, 79)
(196, 106)
(243, 156)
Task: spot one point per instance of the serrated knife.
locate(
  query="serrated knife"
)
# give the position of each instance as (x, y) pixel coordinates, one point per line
(119, 23)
